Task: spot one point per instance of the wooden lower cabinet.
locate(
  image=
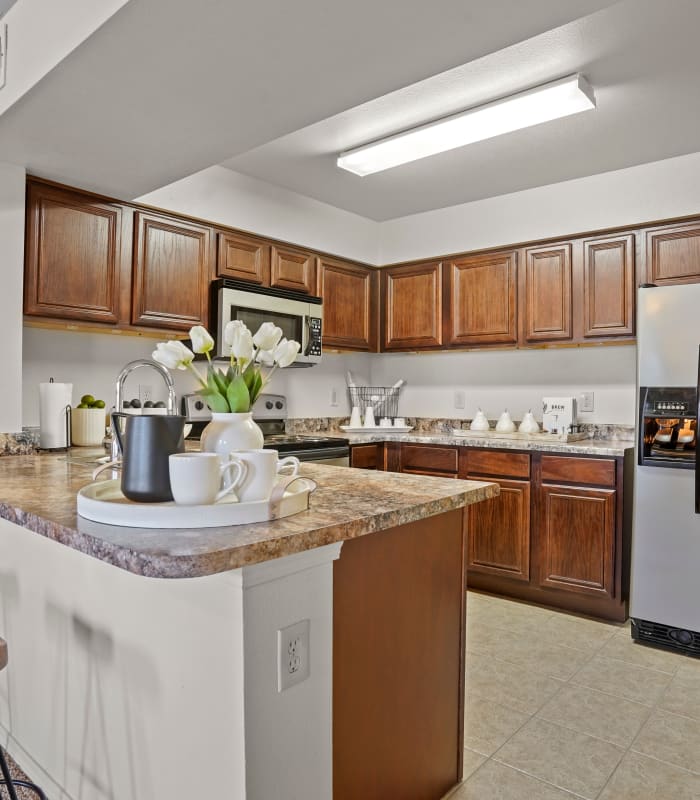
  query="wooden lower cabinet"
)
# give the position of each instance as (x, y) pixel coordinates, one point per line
(558, 534)
(499, 532)
(366, 456)
(577, 539)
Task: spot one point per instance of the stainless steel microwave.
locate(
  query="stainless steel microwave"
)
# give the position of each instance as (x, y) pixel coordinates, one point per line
(300, 316)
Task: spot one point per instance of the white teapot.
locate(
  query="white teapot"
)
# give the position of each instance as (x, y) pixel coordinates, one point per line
(479, 423)
(529, 424)
(505, 424)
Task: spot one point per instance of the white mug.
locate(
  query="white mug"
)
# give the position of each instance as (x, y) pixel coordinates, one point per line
(385, 422)
(399, 422)
(262, 468)
(195, 478)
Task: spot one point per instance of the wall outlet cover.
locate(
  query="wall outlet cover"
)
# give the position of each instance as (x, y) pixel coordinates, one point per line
(293, 654)
(586, 401)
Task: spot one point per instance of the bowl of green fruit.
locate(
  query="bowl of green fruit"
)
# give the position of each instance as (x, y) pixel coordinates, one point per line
(88, 422)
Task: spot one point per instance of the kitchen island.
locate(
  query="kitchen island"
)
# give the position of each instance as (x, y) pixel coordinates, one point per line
(144, 663)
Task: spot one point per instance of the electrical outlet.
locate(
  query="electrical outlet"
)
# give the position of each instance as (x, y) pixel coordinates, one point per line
(293, 654)
(586, 401)
(145, 393)
(460, 400)
(334, 396)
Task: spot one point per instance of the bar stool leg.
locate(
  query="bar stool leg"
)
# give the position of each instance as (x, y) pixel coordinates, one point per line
(11, 784)
(7, 777)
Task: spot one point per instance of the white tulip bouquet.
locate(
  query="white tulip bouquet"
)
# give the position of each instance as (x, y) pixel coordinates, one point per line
(237, 387)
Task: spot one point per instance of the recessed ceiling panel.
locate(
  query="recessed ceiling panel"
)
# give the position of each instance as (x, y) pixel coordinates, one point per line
(640, 56)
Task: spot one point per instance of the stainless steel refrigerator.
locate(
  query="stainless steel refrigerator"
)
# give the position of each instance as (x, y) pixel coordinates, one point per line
(665, 576)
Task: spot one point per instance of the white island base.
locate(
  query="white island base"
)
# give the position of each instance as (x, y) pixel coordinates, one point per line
(122, 687)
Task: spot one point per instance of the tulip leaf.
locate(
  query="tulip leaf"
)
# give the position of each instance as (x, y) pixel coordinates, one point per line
(219, 380)
(257, 385)
(238, 395)
(216, 402)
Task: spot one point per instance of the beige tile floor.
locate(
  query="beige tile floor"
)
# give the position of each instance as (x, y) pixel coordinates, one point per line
(561, 707)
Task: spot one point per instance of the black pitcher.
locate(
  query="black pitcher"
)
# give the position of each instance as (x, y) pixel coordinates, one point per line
(146, 445)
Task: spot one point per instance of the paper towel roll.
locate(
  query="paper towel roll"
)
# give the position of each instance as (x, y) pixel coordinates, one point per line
(53, 399)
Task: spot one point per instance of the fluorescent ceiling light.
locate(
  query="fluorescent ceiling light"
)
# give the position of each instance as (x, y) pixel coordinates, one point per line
(552, 100)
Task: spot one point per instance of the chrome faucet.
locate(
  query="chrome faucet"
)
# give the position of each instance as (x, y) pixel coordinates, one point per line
(123, 375)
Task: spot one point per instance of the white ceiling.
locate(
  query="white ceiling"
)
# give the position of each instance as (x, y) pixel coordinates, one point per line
(641, 56)
(166, 88)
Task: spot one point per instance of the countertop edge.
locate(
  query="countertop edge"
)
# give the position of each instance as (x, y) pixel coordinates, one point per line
(174, 566)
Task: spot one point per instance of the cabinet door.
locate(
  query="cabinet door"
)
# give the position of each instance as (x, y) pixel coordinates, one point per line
(293, 269)
(481, 291)
(577, 539)
(608, 286)
(73, 256)
(171, 272)
(243, 258)
(412, 299)
(673, 254)
(499, 532)
(349, 295)
(548, 297)
(365, 456)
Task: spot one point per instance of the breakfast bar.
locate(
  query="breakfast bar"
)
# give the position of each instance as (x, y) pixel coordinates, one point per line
(148, 663)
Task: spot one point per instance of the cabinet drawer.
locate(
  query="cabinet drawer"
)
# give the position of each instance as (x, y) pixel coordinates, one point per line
(364, 456)
(506, 465)
(599, 471)
(422, 458)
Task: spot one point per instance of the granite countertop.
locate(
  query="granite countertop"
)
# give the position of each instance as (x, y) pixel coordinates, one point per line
(38, 492)
(592, 447)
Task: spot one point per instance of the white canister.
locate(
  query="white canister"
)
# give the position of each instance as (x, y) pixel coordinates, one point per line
(87, 426)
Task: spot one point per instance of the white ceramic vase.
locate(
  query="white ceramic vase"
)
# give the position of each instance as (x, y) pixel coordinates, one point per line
(227, 433)
(480, 422)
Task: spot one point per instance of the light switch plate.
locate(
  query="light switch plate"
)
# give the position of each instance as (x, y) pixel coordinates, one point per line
(586, 401)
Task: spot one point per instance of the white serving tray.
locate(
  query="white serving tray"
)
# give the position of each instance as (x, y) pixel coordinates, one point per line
(103, 501)
(377, 429)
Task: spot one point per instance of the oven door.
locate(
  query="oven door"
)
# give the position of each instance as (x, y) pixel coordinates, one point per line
(332, 456)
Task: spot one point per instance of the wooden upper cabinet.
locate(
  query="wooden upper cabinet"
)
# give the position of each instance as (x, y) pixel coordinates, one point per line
(171, 272)
(73, 266)
(412, 298)
(577, 539)
(244, 258)
(291, 268)
(673, 254)
(349, 293)
(481, 293)
(548, 293)
(608, 286)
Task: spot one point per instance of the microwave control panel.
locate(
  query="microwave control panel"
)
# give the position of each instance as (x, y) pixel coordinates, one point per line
(314, 346)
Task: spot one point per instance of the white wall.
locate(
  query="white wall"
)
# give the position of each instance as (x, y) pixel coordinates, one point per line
(516, 380)
(40, 35)
(638, 194)
(229, 198)
(12, 179)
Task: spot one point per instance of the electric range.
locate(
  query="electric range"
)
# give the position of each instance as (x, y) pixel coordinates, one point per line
(270, 413)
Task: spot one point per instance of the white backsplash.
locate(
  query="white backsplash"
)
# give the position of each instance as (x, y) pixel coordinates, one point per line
(492, 380)
(513, 379)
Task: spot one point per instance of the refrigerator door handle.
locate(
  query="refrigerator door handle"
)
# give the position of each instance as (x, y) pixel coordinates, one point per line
(697, 449)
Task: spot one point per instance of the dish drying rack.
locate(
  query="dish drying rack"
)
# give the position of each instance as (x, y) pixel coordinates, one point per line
(384, 400)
